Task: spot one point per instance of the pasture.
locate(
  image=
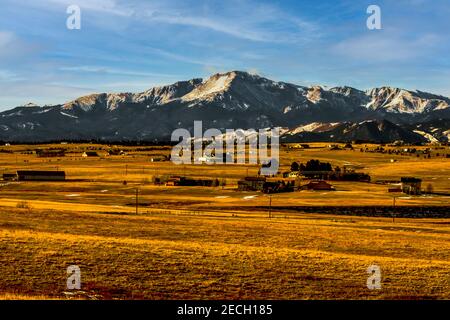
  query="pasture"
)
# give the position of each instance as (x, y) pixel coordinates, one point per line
(216, 242)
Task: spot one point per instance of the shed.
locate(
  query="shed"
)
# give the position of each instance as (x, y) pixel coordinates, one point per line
(30, 175)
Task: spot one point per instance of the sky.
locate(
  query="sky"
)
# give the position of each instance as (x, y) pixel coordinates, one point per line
(133, 45)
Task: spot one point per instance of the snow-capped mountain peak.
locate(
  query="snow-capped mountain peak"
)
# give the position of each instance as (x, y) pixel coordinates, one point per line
(238, 100)
(398, 100)
(216, 84)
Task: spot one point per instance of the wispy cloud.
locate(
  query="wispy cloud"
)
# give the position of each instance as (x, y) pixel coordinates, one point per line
(131, 45)
(12, 47)
(247, 20)
(103, 6)
(6, 75)
(385, 47)
(113, 71)
(16, 94)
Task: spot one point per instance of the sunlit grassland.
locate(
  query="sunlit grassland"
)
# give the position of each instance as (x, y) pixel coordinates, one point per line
(165, 256)
(202, 243)
(100, 181)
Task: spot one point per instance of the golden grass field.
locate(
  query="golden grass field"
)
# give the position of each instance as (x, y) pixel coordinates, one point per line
(202, 243)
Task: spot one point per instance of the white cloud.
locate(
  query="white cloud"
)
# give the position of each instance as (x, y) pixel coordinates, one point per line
(384, 47)
(227, 27)
(250, 23)
(114, 71)
(15, 94)
(13, 49)
(247, 20)
(105, 6)
(6, 75)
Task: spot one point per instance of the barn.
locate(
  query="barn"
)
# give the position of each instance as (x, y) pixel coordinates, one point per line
(318, 185)
(411, 186)
(31, 175)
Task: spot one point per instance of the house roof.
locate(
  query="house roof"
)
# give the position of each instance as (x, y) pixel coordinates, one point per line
(40, 173)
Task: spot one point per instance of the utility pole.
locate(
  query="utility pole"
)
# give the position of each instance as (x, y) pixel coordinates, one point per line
(393, 212)
(137, 200)
(270, 206)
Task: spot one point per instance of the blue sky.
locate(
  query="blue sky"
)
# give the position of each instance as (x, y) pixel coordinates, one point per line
(130, 46)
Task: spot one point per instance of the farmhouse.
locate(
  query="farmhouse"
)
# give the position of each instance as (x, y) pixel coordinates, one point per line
(318, 185)
(251, 184)
(90, 154)
(31, 175)
(411, 186)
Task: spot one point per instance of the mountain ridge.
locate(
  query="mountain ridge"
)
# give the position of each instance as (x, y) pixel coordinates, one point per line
(233, 99)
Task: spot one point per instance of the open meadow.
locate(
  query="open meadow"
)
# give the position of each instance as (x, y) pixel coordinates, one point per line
(133, 239)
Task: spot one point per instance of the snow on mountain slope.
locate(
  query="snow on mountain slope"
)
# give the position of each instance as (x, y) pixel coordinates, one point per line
(314, 127)
(218, 83)
(238, 100)
(31, 105)
(403, 101)
(447, 135)
(426, 135)
(165, 94)
(314, 94)
(154, 96)
(86, 103)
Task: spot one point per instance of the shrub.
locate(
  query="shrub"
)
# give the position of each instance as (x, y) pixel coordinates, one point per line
(23, 205)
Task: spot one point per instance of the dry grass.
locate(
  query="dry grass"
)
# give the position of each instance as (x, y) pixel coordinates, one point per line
(169, 253)
(191, 257)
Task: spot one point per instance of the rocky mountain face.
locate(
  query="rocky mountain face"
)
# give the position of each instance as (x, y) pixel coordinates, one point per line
(237, 100)
(382, 131)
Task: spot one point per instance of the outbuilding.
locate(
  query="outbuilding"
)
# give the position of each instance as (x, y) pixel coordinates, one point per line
(31, 175)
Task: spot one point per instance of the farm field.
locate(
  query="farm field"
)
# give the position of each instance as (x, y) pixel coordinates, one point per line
(217, 242)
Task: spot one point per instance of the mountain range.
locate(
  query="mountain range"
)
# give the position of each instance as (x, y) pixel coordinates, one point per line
(235, 100)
